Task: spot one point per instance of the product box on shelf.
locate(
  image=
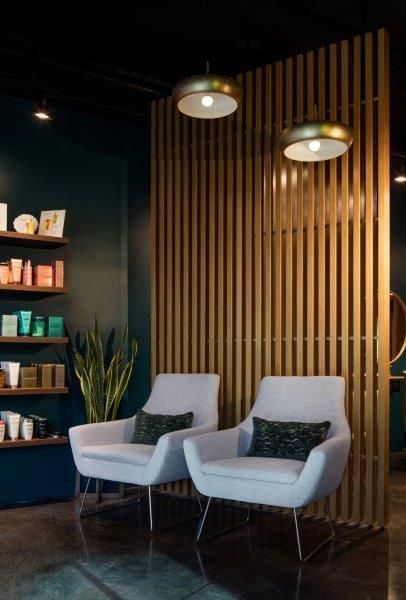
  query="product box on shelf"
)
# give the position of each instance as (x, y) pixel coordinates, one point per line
(45, 375)
(54, 327)
(43, 275)
(28, 377)
(59, 376)
(9, 325)
(58, 273)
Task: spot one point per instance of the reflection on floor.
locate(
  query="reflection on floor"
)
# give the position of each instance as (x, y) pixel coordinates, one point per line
(47, 554)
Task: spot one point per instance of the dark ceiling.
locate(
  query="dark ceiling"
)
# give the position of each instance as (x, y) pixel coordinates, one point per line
(114, 58)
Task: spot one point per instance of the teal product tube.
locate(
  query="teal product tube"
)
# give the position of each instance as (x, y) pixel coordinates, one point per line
(24, 321)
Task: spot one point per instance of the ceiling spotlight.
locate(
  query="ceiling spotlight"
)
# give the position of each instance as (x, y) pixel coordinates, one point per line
(400, 179)
(207, 96)
(42, 111)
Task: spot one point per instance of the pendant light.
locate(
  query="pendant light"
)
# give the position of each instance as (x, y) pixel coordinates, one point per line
(42, 111)
(316, 140)
(207, 96)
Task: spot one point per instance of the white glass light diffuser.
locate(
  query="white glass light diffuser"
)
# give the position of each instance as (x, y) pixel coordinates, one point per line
(207, 96)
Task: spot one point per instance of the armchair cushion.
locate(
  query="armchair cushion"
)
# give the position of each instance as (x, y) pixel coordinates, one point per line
(136, 454)
(150, 427)
(271, 470)
(286, 439)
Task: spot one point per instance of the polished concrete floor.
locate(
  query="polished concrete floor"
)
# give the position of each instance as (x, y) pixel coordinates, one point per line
(46, 553)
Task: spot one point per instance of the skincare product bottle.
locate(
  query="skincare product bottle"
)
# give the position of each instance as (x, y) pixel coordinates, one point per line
(38, 327)
(2, 379)
(26, 428)
(10, 273)
(9, 325)
(13, 425)
(14, 369)
(24, 321)
(42, 427)
(2, 430)
(4, 273)
(27, 273)
(5, 366)
(16, 266)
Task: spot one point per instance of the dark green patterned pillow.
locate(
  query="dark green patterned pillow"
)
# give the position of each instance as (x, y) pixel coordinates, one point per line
(286, 439)
(149, 428)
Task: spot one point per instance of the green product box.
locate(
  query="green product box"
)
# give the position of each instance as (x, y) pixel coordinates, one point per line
(28, 377)
(55, 327)
(9, 325)
(59, 376)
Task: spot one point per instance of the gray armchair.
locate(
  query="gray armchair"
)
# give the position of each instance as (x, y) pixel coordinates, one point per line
(104, 450)
(220, 468)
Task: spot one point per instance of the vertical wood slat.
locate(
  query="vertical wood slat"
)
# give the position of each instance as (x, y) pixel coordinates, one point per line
(289, 228)
(311, 307)
(248, 237)
(357, 431)
(178, 325)
(195, 262)
(169, 214)
(257, 226)
(333, 288)
(212, 236)
(154, 241)
(383, 277)
(268, 279)
(262, 265)
(299, 230)
(230, 280)
(279, 316)
(239, 331)
(203, 248)
(162, 241)
(321, 236)
(344, 260)
(369, 282)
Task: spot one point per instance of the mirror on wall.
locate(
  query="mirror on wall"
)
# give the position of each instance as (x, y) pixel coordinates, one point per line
(397, 327)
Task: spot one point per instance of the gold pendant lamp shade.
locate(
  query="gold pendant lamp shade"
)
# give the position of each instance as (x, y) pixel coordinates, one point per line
(207, 96)
(316, 140)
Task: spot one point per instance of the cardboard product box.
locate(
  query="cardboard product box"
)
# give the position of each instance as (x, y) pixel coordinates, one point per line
(59, 376)
(47, 376)
(43, 275)
(9, 325)
(3, 216)
(28, 377)
(58, 273)
(54, 327)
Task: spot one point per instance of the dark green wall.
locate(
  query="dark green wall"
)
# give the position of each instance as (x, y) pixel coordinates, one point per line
(80, 163)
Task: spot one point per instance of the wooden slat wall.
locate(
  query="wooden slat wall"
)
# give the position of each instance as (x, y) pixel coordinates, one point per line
(261, 265)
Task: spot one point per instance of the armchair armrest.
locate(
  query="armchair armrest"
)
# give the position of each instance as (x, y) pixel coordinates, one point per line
(212, 446)
(110, 432)
(174, 440)
(325, 466)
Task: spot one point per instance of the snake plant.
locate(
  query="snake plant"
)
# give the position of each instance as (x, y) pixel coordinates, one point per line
(103, 385)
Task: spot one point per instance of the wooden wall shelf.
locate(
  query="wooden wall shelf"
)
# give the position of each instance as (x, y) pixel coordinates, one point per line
(17, 288)
(12, 238)
(48, 441)
(33, 391)
(21, 339)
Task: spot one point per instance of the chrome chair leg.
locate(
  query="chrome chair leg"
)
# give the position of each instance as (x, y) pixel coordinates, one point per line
(306, 558)
(152, 525)
(151, 519)
(84, 497)
(101, 507)
(218, 533)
